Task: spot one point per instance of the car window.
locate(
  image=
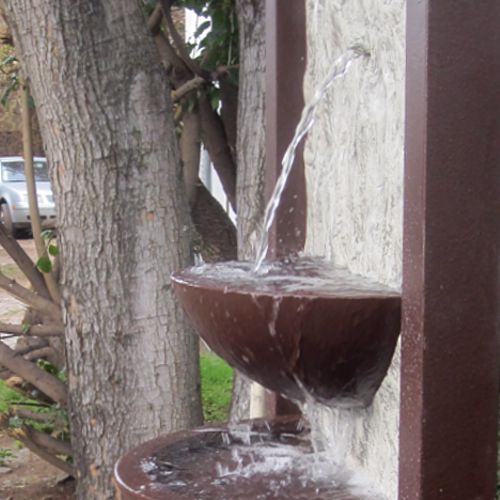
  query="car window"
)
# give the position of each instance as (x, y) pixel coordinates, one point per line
(13, 171)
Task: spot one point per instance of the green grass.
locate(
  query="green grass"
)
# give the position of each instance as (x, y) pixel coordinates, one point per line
(13, 398)
(8, 397)
(216, 385)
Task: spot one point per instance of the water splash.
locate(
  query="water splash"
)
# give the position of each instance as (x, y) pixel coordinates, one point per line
(339, 69)
(300, 277)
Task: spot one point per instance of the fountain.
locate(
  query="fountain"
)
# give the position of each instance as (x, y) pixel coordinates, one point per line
(302, 327)
(432, 432)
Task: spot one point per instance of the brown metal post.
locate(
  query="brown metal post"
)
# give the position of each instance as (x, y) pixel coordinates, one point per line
(450, 350)
(285, 66)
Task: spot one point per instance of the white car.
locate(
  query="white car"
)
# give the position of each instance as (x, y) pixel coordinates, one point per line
(14, 209)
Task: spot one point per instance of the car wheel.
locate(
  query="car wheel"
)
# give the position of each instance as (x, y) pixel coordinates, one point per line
(6, 218)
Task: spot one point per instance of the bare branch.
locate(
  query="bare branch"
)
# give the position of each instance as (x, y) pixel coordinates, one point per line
(215, 140)
(22, 435)
(45, 382)
(48, 442)
(36, 226)
(35, 344)
(31, 415)
(229, 111)
(48, 330)
(41, 304)
(43, 352)
(216, 229)
(190, 143)
(198, 81)
(154, 20)
(179, 42)
(187, 87)
(169, 57)
(23, 260)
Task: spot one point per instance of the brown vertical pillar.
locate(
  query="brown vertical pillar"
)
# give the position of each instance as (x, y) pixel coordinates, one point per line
(285, 66)
(450, 351)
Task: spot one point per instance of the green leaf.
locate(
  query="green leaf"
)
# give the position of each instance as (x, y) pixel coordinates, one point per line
(15, 422)
(5, 455)
(47, 234)
(53, 250)
(11, 87)
(25, 328)
(44, 264)
(8, 60)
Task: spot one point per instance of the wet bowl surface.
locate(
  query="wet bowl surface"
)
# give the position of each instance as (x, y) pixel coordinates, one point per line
(258, 460)
(303, 329)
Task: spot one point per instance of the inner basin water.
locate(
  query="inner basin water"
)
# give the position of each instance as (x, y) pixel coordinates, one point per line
(291, 276)
(244, 462)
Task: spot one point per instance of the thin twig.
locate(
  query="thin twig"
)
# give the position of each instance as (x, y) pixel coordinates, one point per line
(215, 140)
(48, 442)
(34, 345)
(36, 226)
(179, 42)
(198, 81)
(42, 380)
(24, 262)
(154, 20)
(46, 330)
(187, 87)
(31, 415)
(20, 435)
(43, 352)
(41, 304)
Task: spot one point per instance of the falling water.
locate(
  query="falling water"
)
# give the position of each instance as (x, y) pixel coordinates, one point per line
(301, 466)
(339, 69)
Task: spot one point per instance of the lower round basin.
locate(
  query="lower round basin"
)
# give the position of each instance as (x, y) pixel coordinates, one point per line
(303, 329)
(256, 460)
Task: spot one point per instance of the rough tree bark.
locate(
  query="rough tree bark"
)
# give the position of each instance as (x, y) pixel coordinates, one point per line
(250, 151)
(106, 119)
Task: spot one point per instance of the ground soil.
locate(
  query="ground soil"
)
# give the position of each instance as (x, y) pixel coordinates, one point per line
(25, 476)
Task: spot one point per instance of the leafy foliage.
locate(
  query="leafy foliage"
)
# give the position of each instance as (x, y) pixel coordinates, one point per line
(217, 37)
(9, 68)
(28, 398)
(44, 263)
(5, 455)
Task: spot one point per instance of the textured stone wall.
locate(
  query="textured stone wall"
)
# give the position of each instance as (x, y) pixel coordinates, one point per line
(354, 166)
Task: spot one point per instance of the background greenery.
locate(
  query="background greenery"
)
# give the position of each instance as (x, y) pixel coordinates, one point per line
(216, 385)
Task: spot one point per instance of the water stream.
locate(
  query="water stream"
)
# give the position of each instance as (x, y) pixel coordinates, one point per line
(339, 69)
(294, 466)
(316, 464)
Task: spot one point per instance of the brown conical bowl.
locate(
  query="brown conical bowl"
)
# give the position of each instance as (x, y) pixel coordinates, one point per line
(334, 344)
(203, 463)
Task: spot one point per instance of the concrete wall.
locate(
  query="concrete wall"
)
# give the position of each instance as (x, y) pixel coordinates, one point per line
(354, 167)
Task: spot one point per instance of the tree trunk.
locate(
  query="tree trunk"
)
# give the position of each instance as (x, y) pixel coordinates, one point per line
(108, 131)
(250, 151)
